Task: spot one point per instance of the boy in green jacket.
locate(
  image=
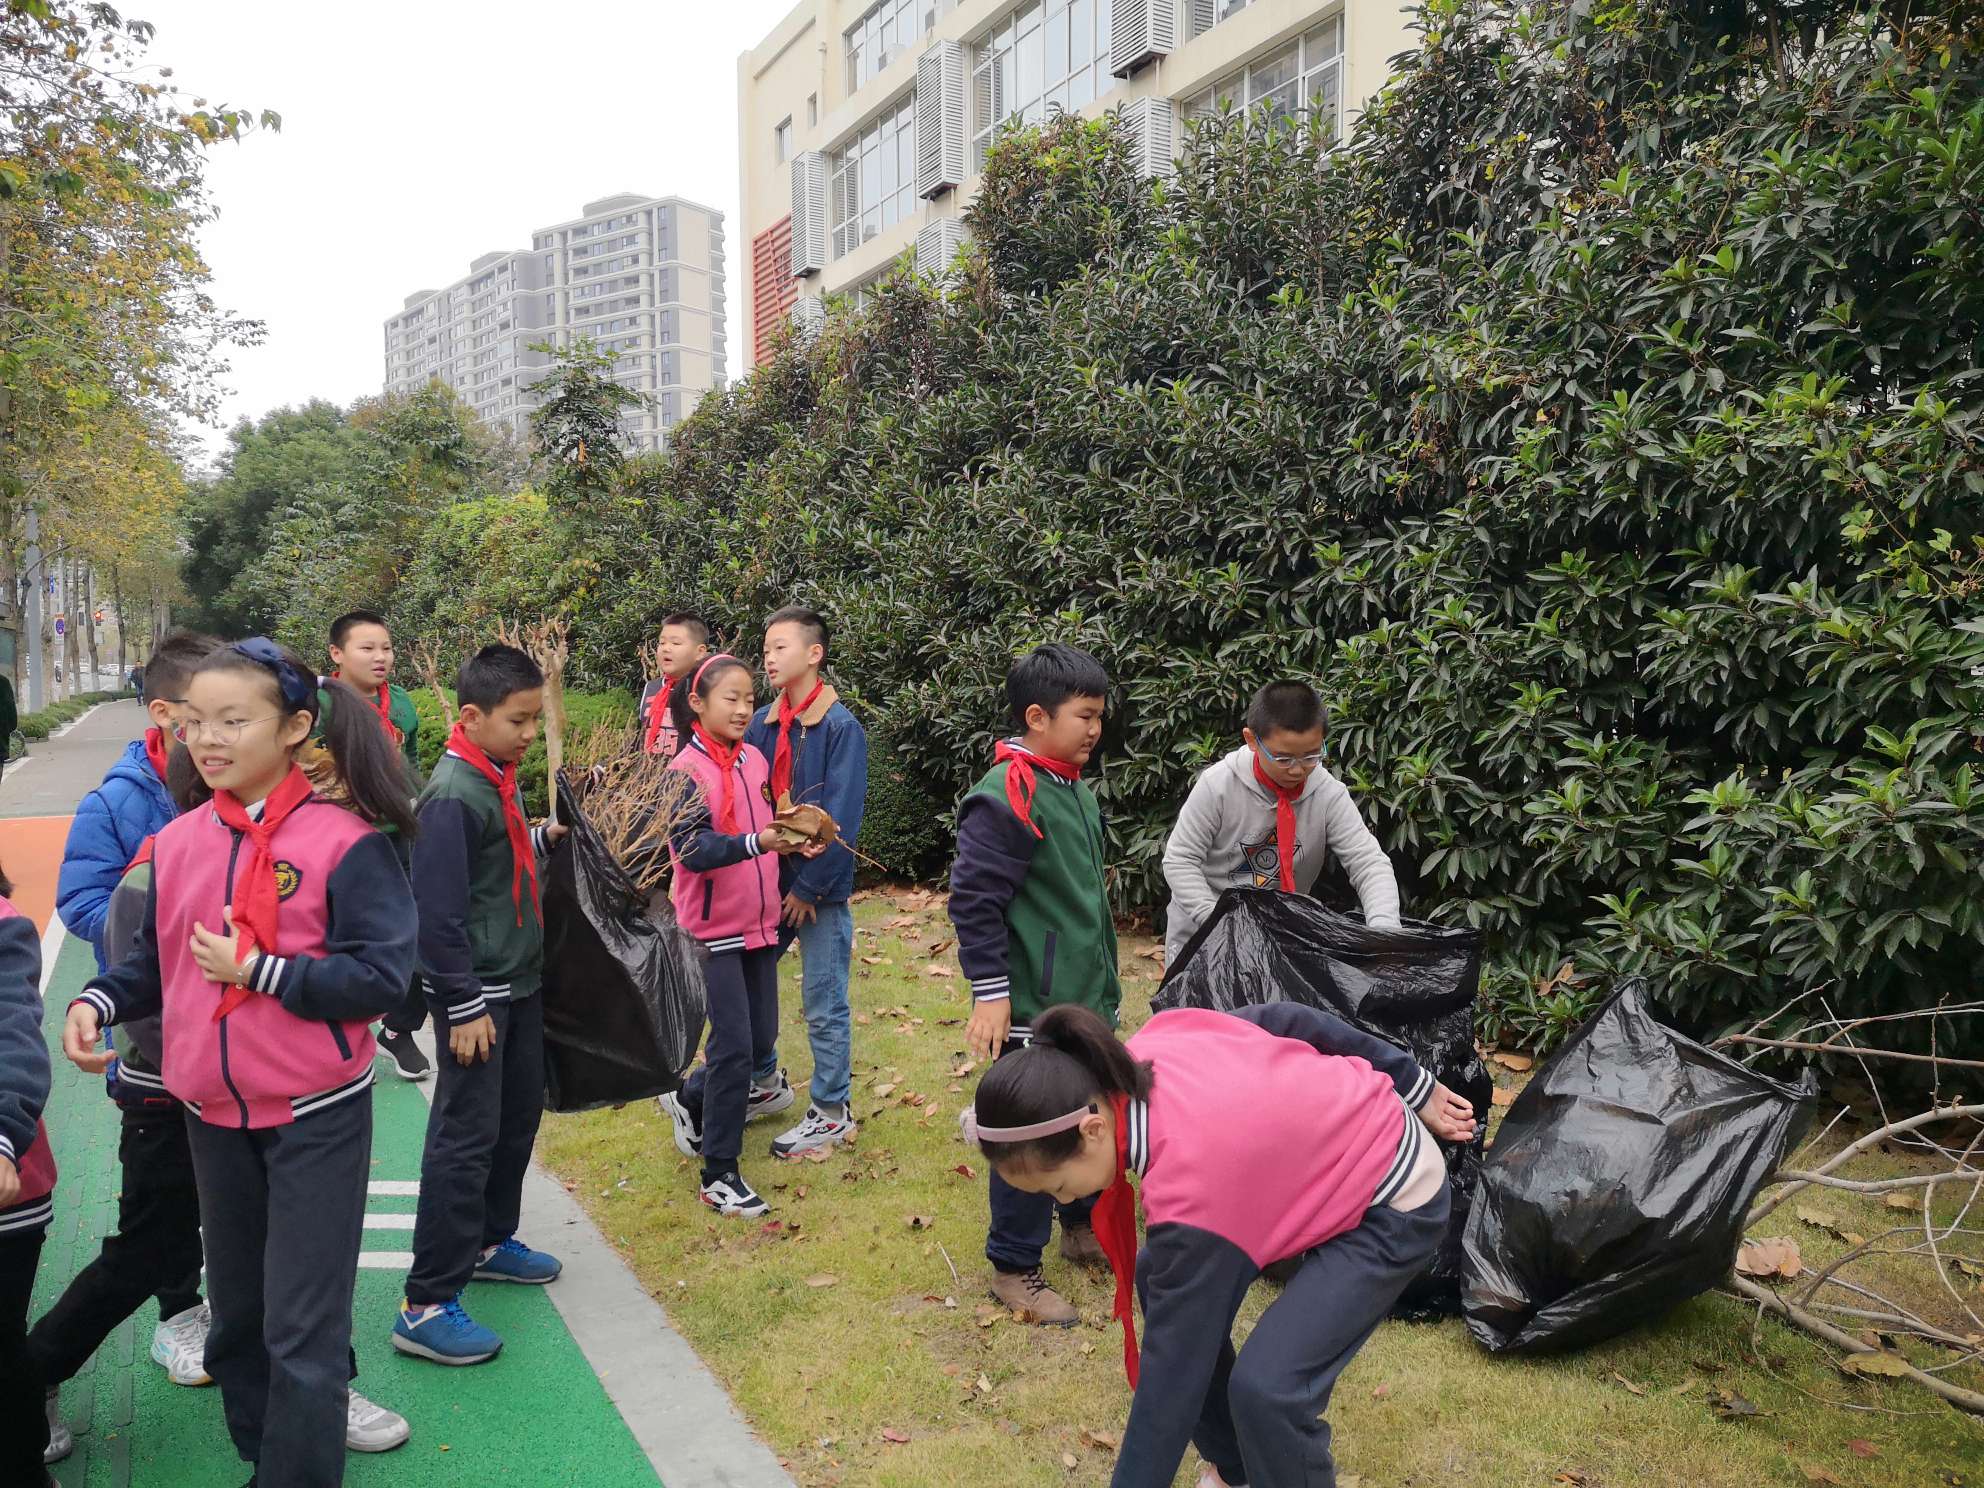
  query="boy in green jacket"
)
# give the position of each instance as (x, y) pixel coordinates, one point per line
(1034, 928)
(362, 658)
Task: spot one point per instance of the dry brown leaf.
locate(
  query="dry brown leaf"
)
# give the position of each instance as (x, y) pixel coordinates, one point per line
(876, 961)
(883, 1092)
(938, 969)
(822, 1280)
(987, 1314)
(1900, 1201)
(1070, 1461)
(1516, 1062)
(984, 1385)
(1875, 1362)
(921, 1221)
(1820, 1475)
(1101, 1441)
(893, 1436)
(1503, 1096)
(938, 947)
(1861, 1447)
(963, 1170)
(1769, 1258)
(1381, 1392)
(1087, 1347)
(1631, 1388)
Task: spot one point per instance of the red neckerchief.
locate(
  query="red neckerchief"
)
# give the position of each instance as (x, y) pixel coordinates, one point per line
(1284, 824)
(382, 705)
(725, 756)
(256, 896)
(782, 755)
(1115, 1221)
(157, 751)
(657, 717)
(1019, 777)
(522, 859)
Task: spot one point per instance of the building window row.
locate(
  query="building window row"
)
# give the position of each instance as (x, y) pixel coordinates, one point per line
(873, 184)
(1305, 77)
(885, 31)
(1052, 54)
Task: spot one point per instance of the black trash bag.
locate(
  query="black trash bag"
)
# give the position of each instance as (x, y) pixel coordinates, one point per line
(1414, 986)
(623, 983)
(1619, 1182)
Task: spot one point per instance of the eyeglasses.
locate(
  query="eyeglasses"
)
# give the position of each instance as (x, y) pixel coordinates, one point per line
(189, 729)
(1287, 761)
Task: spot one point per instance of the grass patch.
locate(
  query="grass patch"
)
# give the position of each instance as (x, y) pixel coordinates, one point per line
(833, 1321)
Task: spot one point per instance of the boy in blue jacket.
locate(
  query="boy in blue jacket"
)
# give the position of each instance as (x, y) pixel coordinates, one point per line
(819, 756)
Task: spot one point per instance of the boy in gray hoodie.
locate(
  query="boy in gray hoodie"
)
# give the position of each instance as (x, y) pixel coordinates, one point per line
(1269, 815)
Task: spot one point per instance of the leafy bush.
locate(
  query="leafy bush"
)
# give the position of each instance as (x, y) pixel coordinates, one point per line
(1602, 427)
(45, 721)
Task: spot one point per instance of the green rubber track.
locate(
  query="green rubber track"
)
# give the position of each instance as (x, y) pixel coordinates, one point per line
(536, 1415)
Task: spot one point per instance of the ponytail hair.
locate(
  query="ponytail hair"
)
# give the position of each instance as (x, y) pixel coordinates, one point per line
(1075, 1059)
(371, 770)
(680, 714)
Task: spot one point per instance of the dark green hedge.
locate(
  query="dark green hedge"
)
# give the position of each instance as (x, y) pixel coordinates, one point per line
(583, 711)
(1602, 427)
(39, 725)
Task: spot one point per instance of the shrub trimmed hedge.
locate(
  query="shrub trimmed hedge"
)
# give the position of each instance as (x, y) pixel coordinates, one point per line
(42, 723)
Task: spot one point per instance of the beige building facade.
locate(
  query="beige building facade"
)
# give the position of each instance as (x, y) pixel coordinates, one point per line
(863, 124)
(641, 276)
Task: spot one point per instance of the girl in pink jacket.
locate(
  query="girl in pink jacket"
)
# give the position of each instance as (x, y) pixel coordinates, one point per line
(1255, 1136)
(278, 927)
(726, 895)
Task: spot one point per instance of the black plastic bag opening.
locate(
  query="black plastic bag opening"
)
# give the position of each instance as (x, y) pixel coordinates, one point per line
(1619, 1182)
(623, 983)
(1415, 986)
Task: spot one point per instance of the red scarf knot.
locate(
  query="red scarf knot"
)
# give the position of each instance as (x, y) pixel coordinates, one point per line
(1284, 823)
(725, 756)
(1115, 1220)
(522, 859)
(657, 717)
(157, 751)
(257, 899)
(782, 755)
(1021, 763)
(382, 704)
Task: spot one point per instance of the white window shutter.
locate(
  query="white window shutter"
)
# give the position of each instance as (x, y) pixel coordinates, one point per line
(1204, 17)
(809, 315)
(1152, 124)
(809, 213)
(937, 245)
(940, 119)
(1141, 31)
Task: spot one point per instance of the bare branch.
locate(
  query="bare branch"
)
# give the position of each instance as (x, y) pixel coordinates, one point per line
(1818, 1327)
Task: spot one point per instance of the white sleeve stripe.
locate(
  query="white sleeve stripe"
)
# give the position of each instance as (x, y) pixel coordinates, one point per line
(6, 1149)
(97, 1000)
(752, 846)
(999, 996)
(1421, 1089)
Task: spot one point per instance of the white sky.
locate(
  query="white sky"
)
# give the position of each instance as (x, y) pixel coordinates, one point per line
(419, 134)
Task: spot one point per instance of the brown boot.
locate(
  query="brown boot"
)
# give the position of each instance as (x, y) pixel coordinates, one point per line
(1028, 1292)
(1078, 1244)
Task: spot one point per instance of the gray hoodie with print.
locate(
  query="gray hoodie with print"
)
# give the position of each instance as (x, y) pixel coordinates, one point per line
(1225, 838)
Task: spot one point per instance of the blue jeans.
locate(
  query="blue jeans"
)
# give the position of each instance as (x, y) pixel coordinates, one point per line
(826, 951)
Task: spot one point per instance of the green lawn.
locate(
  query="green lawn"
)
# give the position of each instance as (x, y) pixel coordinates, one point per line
(838, 1325)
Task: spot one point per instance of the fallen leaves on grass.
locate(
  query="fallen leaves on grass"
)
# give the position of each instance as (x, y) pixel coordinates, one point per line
(1100, 1441)
(1861, 1447)
(988, 1313)
(938, 969)
(1900, 1201)
(1769, 1259)
(1730, 1406)
(1820, 1475)
(1503, 1096)
(1631, 1388)
(1875, 1362)
(894, 1436)
(1516, 1062)
(921, 1221)
(963, 1170)
(822, 1280)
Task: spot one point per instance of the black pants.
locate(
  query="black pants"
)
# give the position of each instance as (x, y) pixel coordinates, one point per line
(154, 1253)
(283, 1210)
(23, 1422)
(412, 1011)
(743, 1014)
(1263, 1419)
(479, 1137)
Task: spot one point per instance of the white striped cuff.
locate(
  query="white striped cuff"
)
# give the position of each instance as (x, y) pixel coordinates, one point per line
(725, 945)
(105, 1013)
(538, 844)
(752, 846)
(303, 1105)
(991, 989)
(6, 1149)
(1421, 1090)
(126, 1075)
(468, 1009)
(30, 1216)
(270, 973)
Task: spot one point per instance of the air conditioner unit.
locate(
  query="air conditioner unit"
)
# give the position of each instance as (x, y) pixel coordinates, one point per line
(809, 315)
(1152, 124)
(1140, 32)
(940, 119)
(937, 245)
(809, 213)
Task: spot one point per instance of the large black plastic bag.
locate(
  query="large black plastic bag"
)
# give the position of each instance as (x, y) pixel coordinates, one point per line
(1619, 1181)
(1415, 986)
(623, 983)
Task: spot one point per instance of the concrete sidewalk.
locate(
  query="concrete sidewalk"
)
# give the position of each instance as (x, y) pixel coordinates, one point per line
(59, 771)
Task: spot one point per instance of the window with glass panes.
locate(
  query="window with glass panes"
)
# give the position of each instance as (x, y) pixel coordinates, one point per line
(884, 33)
(1303, 77)
(873, 185)
(1052, 54)
(1203, 17)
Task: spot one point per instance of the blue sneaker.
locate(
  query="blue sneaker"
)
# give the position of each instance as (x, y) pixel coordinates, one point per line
(515, 1261)
(444, 1333)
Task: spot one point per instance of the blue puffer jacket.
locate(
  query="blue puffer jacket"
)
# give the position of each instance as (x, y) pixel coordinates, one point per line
(111, 824)
(829, 770)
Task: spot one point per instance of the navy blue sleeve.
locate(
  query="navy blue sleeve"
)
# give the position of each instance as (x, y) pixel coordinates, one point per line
(995, 850)
(762, 732)
(1191, 1284)
(24, 1071)
(443, 864)
(368, 944)
(1330, 1034)
(701, 848)
(133, 987)
(93, 860)
(846, 776)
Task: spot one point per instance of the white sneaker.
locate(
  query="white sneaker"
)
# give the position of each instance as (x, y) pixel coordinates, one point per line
(179, 1346)
(688, 1134)
(768, 1100)
(730, 1195)
(372, 1428)
(816, 1131)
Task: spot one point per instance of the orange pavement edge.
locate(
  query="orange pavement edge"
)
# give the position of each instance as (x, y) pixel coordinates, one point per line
(31, 853)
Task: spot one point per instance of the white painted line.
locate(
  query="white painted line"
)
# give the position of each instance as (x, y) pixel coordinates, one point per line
(392, 1188)
(389, 1221)
(51, 950)
(385, 1260)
